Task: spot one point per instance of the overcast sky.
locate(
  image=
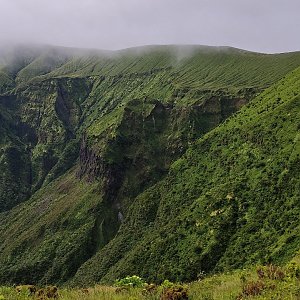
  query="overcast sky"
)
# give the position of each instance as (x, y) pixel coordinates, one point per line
(259, 25)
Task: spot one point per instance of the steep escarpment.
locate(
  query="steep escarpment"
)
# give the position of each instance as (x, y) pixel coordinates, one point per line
(14, 157)
(230, 201)
(87, 143)
(41, 120)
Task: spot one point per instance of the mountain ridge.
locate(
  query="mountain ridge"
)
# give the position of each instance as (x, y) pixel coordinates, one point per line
(83, 142)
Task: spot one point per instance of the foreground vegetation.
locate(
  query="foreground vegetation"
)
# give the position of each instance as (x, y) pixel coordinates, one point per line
(261, 282)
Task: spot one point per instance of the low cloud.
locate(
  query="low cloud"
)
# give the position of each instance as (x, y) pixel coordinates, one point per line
(265, 26)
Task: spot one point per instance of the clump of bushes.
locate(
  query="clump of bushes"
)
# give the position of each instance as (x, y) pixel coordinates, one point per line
(270, 277)
(271, 272)
(27, 289)
(130, 281)
(49, 292)
(172, 291)
(166, 291)
(252, 288)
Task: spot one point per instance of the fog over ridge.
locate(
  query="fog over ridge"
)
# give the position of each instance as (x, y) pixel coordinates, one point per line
(263, 26)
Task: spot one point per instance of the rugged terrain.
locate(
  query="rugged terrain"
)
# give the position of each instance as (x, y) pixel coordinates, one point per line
(161, 161)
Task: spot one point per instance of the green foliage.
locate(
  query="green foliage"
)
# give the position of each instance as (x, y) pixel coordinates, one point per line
(230, 201)
(167, 284)
(293, 270)
(225, 286)
(89, 147)
(14, 176)
(130, 281)
(169, 291)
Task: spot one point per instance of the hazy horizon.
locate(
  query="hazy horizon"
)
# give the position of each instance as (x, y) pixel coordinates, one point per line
(268, 27)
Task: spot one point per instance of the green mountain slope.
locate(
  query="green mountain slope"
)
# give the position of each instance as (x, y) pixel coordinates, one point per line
(56, 95)
(231, 200)
(87, 140)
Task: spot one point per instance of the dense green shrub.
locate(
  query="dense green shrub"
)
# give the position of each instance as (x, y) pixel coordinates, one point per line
(130, 281)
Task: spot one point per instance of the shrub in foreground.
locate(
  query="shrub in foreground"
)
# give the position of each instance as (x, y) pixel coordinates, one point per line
(130, 281)
(172, 291)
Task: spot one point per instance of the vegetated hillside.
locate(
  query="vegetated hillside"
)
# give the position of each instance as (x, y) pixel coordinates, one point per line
(84, 136)
(230, 201)
(55, 96)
